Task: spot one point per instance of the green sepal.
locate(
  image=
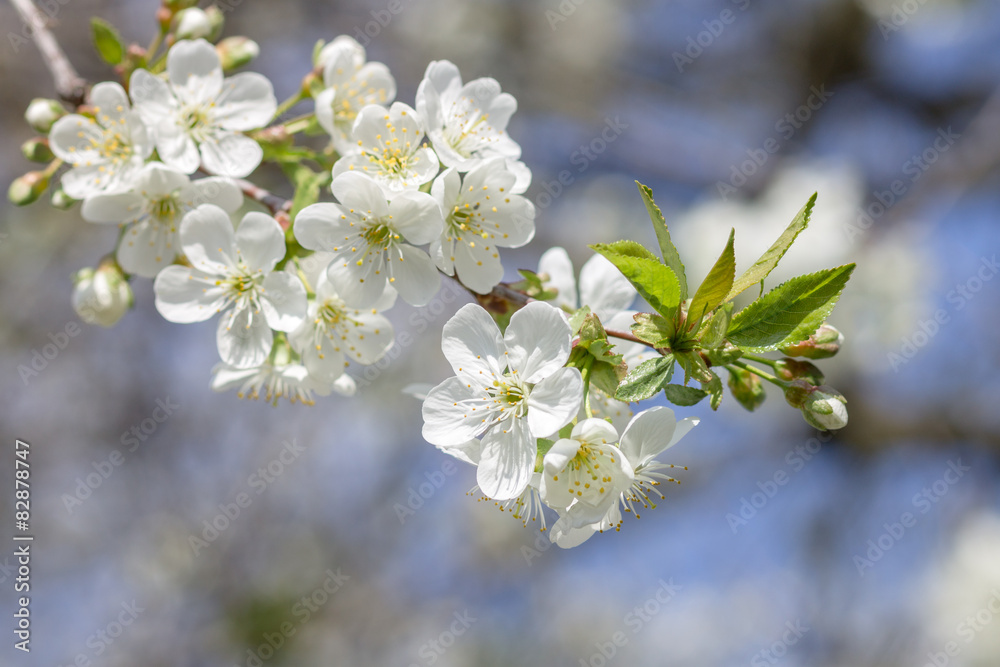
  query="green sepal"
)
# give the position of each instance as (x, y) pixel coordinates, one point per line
(107, 40)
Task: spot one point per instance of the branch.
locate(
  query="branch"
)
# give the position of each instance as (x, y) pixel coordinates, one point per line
(70, 86)
(278, 206)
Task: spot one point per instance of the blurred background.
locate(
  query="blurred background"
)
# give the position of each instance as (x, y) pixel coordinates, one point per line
(360, 545)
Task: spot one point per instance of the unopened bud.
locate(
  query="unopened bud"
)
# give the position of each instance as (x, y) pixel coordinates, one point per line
(102, 296)
(312, 84)
(42, 113)
(797, 393)
(192, 23)
(27, 188)
(793, 369)
(746, 388)
(824, 343)
(826, 409)
(178, 5)
(237, 51)
(61, 200)
(216, 19)
(37, 150)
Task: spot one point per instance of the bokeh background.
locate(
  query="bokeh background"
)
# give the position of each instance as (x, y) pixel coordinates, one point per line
(854, 94)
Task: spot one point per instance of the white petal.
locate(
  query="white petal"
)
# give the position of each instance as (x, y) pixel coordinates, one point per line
(554, 401)
(358, 286)
(233, 155)
(322, 226)
(538, 341)
(604, 288)
(177, 149)
(208, 239)
(110, 103)
(556, 264)
(73, 138)
(361, 193)
(651, 432)
(595, 431)
(184, 295)
(566, 536)
(243, 338)
(117, 207)
(416, 278)
(472, 344)
(260, 241)
(368, 338)
(246, 102)
(219, 191)
(417, 216)
(147, 247)
(507, 460)
(157, 180)
(152, 96)
(194, 70)
(283, 301)
(478, 267)
(453, 414)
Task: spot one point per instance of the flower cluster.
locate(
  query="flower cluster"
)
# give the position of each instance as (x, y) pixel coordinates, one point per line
(513, 409)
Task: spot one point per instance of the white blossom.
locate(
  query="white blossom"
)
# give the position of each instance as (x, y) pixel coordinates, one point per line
(198, 117)
(233, 271)
(510, 389)
(106, 152)
(152, 209)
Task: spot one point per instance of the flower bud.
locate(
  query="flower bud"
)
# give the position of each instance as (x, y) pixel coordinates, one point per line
(178, 5)
(27, 188)
(237, 51)
(192, 23)
(792, 369)
(216, 19)
(42, 113)
(824, 343)
(102, 296)
(746, 388)
(797, 393)
(61, 200)
(826, 409)
(37, 150)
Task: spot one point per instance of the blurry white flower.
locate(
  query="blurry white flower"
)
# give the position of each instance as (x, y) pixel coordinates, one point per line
(233, 270)
(389, 149)
(192, 23)
(198, 116)
(482, 214)
(152, 209)
(106, 152)
(370, 239)
(101, 296)
(465, 123)
(511, 389)
(351, 84)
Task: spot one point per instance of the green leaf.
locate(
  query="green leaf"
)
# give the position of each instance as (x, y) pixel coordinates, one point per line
(653, 329)
(107, 40)
(714, 389)
(789, 313)
(656, 283)
(715, 287)
(670, 255)
(646, 379)
(577, 318)
(683, 396)
(763, 266)
(694, 367)
(715, 332)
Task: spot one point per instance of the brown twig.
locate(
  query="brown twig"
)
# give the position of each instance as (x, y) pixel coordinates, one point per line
(278, 206)
(70, 86)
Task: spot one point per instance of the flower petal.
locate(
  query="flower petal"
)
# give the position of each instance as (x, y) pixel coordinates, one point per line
(244, 338)
(283, 301)
(507, 460)
(556, 264)
(194, 71)
(472, 344)
(177, 149)
(233, 155)
(417, 216)
(222, 192)
(538, 341)
(416, 278)
(604, 288)
(147, 247)
(208, 239)
(260, 241)
(554, 401)
(651, 432)
(185, 295)
(246, 102)
(152, 96)
(116, 207)
(453, 414)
